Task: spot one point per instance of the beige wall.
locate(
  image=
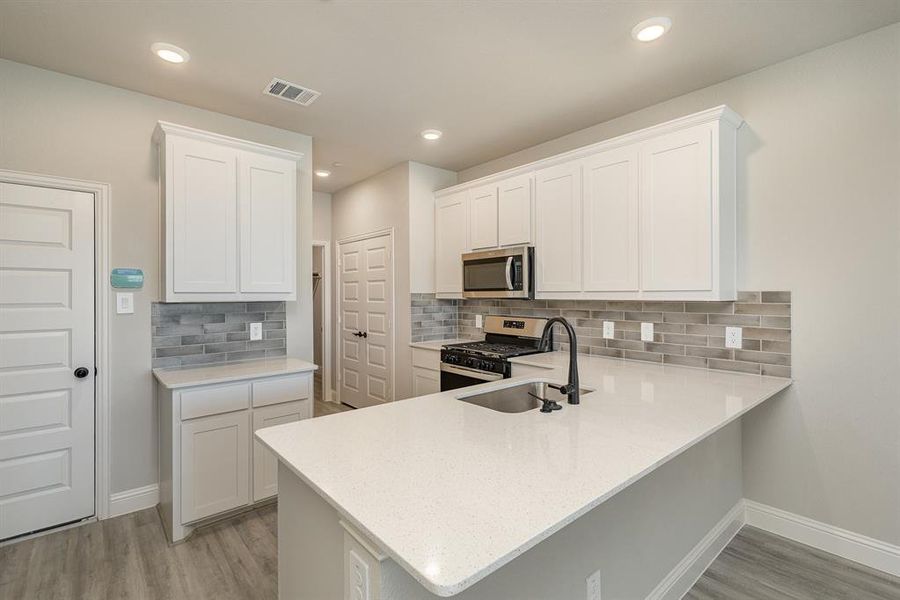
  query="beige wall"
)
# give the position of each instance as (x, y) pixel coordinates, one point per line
(321, 229)
(65, 126)
(818, 197)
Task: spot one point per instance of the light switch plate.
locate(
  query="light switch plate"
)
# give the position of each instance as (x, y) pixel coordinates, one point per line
(255, 331)
(479, 321)
(609, 330)
(646, 332)
(734, 337)
(124, 303)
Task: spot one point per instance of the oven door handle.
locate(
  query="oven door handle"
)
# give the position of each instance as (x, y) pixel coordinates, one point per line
(466, 372)
(509, 264)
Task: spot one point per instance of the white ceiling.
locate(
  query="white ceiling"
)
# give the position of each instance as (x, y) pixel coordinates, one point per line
(496, 77)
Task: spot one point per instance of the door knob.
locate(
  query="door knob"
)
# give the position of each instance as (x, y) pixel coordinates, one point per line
(81, 372)
(365, 334)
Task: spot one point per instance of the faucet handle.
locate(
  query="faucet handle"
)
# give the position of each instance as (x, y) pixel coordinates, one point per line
(550, 406)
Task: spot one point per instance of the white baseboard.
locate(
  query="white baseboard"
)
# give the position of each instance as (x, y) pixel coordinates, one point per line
(129, 501)
(846, 544)
(686, 573)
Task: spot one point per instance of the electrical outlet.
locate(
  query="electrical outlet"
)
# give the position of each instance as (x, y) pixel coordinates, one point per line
(593, 586)
(734, 337)
(609, 330)
(255, 331)
(479, 321)
(646, 332)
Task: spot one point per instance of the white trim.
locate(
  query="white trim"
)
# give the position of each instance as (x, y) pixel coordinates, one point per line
(689, 569)
(718, 113)
(164, 128)
(389, 231)
(846, 544)
(102, 235)
(327, 331)
(129, 501)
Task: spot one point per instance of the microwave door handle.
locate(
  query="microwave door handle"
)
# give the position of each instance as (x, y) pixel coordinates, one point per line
(509, 264)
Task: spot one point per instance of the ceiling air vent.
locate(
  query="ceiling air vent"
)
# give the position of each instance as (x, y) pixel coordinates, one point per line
(291, 92)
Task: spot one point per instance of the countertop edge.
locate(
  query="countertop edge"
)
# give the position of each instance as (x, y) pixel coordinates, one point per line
(291, 367)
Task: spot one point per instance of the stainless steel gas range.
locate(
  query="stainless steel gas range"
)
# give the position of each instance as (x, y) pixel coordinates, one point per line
(470, 363)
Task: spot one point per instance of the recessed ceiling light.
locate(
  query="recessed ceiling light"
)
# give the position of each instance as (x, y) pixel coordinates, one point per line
(432, 134)
(337, 164)
(170, 53)
(651, 29)
(322, 173)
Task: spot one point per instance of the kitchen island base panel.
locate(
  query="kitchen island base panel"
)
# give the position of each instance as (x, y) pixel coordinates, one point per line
(635, 539)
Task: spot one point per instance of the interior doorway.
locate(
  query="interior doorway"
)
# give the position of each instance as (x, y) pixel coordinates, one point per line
(365, 319)
(321, 322)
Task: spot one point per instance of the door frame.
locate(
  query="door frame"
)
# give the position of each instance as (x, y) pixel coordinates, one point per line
(101, 193)
(389, 231)
(326, 318)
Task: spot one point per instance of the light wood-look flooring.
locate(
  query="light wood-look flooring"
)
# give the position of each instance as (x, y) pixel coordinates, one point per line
(757, 565)
(321, 408)
(128, 558)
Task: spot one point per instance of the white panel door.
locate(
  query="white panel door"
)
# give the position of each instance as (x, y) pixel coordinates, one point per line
(215, 464)
(514, 211)
(46, 333)
(558, 244)
(676, 211)
(611, 225)
(265, 464)
(267, 201)
(204, 213)
(367, 306)
(483, 217)
(451, 242)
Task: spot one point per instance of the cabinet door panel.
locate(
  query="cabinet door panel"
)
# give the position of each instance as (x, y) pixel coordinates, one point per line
(611, 226)
(425, 381)
(677, 211)
(204, 213)
(215, 457)
(558, 243)
(514, 211)
(451, 241)
(268, 198)
(483, 218)
(265, 465)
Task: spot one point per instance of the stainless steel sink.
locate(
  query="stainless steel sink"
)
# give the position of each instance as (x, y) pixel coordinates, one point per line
(517, 398)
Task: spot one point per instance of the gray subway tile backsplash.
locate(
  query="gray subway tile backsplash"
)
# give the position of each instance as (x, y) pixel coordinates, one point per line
(201, 333)
(685, 333)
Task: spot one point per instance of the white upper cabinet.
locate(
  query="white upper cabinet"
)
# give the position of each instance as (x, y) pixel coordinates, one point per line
(611, 226)
(483, 217)
(650, 215)
(558, 241)
(204, 217)
(677, 211)
(267, 208)
(451, 226)
(515, 210)
(230, 212)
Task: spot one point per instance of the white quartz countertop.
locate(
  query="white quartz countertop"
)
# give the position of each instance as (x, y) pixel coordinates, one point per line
(436, 344)
(453, 491)
(179, 377)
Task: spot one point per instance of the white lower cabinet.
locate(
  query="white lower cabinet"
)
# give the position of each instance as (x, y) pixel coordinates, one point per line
(425, 381)
(215, 456)
(209, 461)
(265, 465)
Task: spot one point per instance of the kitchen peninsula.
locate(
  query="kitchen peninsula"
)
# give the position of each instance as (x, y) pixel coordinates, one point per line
(435, 497)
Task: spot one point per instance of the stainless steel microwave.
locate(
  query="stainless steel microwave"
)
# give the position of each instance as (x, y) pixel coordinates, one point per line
(504, 273)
